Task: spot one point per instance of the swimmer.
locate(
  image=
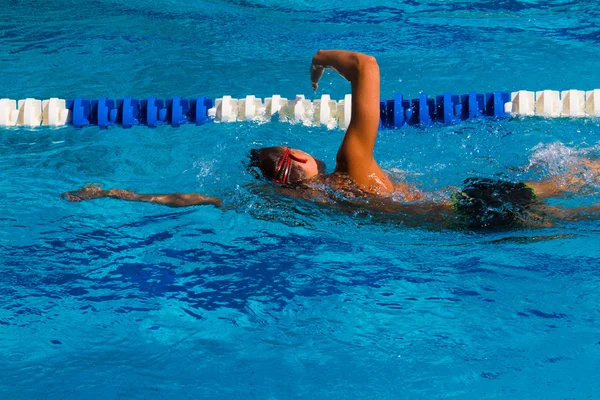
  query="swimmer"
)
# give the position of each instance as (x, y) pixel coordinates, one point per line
(360, 182)
(482, 203)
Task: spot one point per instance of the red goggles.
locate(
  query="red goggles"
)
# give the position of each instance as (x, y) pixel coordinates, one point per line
(285, 164)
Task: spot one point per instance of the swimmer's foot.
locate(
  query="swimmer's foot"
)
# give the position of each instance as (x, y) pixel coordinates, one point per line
(86, 193)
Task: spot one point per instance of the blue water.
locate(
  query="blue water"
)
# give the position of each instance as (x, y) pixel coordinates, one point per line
(275, 298)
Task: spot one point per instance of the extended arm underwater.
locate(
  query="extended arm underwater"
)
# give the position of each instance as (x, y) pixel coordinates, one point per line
(171, 200)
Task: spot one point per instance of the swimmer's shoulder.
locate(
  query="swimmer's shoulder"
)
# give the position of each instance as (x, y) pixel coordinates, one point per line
(406, 191)
(343, 183)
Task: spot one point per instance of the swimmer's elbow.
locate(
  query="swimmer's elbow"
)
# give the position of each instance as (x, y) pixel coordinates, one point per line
(187, 200)
(197, 200)
(367, 60)
(365, 63)
(364, 66)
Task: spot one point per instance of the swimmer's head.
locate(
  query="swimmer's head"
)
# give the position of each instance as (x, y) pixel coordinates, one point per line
(286, 166)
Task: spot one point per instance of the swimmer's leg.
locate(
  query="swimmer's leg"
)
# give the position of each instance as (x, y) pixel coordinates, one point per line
(546, 189)
(559, 186)
(579, 177)
(585, 213)
(171, 200)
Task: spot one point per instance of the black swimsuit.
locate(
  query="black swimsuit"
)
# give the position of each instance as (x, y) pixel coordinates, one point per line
(493, 203)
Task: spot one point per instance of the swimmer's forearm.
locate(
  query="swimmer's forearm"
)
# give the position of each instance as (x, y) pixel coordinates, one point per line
(181, 199)
(346, 63)
(171, 200)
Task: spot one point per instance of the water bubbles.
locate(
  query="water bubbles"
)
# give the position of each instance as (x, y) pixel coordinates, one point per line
(204, 167)
(574, 170)
(553, 158)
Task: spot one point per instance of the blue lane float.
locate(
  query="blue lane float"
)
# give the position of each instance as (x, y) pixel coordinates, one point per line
(472, 105)
(447, 109)
(104, 113)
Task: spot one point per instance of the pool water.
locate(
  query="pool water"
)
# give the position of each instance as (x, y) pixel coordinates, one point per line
(277, 298)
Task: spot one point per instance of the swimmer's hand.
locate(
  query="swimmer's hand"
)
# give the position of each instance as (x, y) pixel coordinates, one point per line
(316, 72)
(86, 193)
(345, 63)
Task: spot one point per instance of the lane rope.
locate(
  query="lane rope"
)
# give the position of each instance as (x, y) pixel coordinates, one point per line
(395, 113)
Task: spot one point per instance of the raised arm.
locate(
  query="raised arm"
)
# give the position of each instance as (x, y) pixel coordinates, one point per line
(355, 155)
(171, 200)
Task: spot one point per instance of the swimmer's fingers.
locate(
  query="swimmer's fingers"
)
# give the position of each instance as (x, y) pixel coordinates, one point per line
(315, 75)
(70, 196)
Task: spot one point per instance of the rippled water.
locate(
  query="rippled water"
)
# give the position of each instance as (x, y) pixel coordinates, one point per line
(270, 297)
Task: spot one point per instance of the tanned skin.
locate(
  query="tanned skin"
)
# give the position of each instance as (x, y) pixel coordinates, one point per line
(355, 155)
